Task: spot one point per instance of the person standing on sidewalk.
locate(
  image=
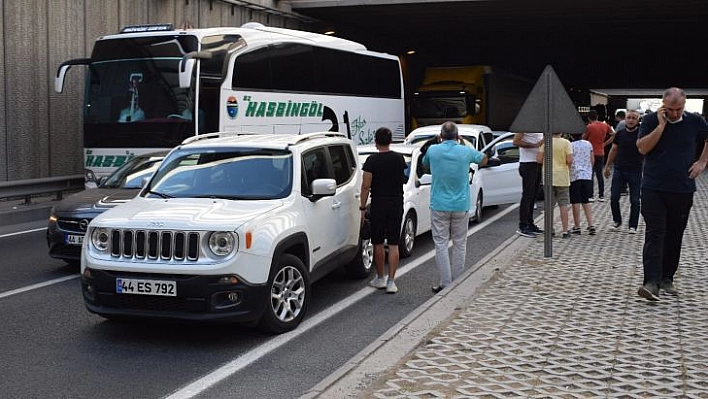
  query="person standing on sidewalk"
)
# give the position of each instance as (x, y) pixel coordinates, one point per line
(384, 178)
(599, 134)
(449, 164)
(627, 171)
(530, 171)
(561, 160)
(581, 183)
(668, 139)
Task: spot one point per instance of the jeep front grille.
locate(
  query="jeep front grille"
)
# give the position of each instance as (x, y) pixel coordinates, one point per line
(152, 244)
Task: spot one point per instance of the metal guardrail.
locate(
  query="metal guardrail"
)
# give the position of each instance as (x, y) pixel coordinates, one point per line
(47, 185)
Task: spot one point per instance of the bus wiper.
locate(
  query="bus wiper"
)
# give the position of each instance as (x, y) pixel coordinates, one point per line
(161, 195)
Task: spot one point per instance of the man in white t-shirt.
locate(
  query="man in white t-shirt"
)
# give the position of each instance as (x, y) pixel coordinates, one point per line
(530, 171)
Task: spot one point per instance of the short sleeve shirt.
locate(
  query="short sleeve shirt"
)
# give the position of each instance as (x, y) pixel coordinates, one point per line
(666, 165)
(582, 164)
(628, 157)
(450, 166)
(596, 133)
(561, 173)
(387, 174)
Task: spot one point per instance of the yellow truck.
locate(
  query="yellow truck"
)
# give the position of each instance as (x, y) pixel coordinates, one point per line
(475, 94)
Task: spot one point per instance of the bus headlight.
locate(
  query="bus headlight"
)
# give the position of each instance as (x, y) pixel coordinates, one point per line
(222, 243)
(100, 238)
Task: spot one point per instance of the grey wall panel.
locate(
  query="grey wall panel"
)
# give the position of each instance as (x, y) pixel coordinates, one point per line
(186, 14)
(134, 12)
(65, 41)
(26, 88)
(162, 12)
(4, 153)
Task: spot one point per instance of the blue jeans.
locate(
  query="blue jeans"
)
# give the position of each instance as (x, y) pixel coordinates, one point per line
(446, 226)
(634, 181)
(666, 217)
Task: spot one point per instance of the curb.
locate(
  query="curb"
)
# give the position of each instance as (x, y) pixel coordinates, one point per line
(354, 377)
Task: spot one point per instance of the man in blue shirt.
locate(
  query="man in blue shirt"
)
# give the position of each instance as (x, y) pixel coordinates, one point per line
(668, 139)
(449, 164)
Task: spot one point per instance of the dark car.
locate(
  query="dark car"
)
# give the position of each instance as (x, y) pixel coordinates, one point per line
(70, 217)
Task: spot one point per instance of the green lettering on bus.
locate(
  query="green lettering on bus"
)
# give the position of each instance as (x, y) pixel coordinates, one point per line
(261, 109)
(251, 108)
(280, 111)
(271, 109)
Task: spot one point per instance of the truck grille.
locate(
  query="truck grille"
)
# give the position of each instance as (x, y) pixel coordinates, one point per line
(151, 244)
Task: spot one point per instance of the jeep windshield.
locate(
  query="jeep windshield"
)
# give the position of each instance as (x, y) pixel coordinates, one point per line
(235, 174)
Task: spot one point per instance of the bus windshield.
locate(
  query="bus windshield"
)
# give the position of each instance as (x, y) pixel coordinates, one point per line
(133, 88)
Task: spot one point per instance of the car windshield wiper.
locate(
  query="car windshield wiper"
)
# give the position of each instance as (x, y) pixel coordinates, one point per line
(161, 195)
(228, 197)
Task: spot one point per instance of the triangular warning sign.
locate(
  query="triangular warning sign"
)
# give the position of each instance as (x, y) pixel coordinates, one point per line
(548, 108)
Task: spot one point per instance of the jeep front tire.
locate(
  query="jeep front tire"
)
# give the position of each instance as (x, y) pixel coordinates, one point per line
(288, 295)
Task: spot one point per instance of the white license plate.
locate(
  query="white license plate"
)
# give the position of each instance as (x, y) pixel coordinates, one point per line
(72, 239)
(146, 287)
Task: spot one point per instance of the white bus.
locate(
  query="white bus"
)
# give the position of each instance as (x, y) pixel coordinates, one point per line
(151, 86)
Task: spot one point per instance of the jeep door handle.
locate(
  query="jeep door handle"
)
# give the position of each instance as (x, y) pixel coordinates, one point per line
(336, 204)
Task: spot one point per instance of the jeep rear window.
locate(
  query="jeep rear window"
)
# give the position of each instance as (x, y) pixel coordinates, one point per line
(236, 174)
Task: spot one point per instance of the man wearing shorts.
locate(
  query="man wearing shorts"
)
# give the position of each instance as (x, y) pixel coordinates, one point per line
(561, 160)
(384, 178)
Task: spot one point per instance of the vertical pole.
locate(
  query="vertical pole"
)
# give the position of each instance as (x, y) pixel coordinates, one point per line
(548, 171)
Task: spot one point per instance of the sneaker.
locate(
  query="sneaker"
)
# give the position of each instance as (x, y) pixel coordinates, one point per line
(601, 199)
(437, 288)
(632, 230)
(378, 282)
(669, 288)
(566, 234)
(649, 291)
(591, 230)
(616, 225)
(575, 230)
(391, 287)
(536, 229)
(591, 199)
(526, 233)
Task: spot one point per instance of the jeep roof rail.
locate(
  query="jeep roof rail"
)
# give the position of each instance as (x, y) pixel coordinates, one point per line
(309, 136)
(214, 135)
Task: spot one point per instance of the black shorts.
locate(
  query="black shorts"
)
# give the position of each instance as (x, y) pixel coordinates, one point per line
(580, 191)
(386, 217)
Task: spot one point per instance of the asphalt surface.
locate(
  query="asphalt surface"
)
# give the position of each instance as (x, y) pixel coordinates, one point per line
(520, 324)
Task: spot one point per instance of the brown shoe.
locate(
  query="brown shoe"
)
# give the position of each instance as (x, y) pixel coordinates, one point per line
(649, 291)
(669, 287)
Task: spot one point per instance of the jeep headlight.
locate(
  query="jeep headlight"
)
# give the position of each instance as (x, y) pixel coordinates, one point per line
(100, 237)
(222, 243)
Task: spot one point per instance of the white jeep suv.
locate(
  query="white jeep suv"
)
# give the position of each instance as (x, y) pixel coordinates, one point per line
(230, 228)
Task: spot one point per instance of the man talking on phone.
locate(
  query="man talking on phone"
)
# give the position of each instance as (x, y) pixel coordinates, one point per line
(668, 139)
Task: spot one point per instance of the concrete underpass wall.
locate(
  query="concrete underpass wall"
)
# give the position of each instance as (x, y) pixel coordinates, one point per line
(40, 130)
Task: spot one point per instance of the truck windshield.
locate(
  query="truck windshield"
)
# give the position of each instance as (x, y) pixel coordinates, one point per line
(439, 105)
(134, 81)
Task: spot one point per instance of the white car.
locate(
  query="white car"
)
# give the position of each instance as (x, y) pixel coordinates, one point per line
(495, 184)
(230, 228)
(498, 183)
(416, 193)
(477, 135)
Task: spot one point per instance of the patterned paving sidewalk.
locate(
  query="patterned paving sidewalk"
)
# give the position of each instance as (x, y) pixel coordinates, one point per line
(571, 326)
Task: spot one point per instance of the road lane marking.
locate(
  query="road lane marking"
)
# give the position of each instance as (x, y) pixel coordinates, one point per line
(21, 232)
(232, 367)
(37, 286)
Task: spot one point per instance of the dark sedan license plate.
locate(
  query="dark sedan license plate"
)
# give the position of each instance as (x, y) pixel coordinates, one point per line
(73, 239)
(146, 287)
